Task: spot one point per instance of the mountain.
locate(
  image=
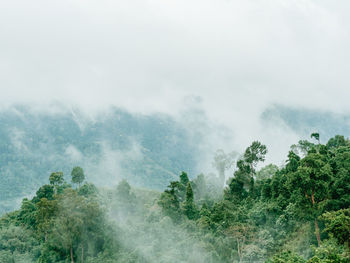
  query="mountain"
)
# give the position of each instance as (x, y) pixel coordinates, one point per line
(147, 150)
(306, 121)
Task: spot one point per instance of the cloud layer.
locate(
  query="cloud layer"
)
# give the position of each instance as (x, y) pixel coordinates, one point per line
(238, 57)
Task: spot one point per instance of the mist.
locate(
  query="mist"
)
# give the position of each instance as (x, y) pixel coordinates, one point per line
(143, 95)
(238, 57)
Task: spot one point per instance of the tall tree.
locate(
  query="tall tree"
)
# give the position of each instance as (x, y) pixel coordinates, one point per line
(46, 210)
(68, 224)
(316, 135)
(253, 154)
(184, 179)
(77, 175)
(56, 179)
(188, 206)
(223, 162)
(338, 225)
(309, 186)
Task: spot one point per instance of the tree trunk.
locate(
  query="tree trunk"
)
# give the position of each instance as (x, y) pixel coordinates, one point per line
(71, 255)
(45, 236)
(82, 253)
(313, 198)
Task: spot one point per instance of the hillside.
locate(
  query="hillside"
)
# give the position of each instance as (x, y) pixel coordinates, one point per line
(147, 150)
(298, 213)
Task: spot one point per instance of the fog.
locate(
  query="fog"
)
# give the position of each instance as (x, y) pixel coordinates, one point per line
(236, 57)
(140, 90)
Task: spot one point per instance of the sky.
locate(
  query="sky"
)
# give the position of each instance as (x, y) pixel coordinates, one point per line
(232, 59)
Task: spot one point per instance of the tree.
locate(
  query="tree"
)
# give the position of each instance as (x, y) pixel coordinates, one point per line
(125, 202)
(56, 178)
(184, 179)
(170, 205)
(169, 201)
(45, 191)
(266, 172)
(189, 207)
(337, 141)
(338, 225)
(27, 213)
(253, 154)
(303, 147)
(45, 212)
(316, 135)
(340, 183)
(180, 187)
(200, 187)
(222, 162)
(78, 221)
(309, 186)
(77, 175)
(88, 189)
(286, 257)
(241, 232)
(235, 190)
(68, 224)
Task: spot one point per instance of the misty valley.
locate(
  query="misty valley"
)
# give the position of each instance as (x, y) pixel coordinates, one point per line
(295, 212)
(152, 131)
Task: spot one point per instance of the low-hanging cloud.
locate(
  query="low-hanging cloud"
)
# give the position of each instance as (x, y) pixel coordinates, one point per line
(239, 57)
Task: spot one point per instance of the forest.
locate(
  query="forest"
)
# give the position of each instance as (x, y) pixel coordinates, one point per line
(116, 143)
(298, 212)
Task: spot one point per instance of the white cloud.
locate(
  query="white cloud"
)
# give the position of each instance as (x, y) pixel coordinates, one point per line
(238, 56)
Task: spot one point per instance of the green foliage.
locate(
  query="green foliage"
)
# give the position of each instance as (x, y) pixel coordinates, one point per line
(56, 178)
(33, 143)
(88, 190)
(287, 257)
(296, 213)
(45, 191)
(266, 172)
(184, 178)
(255, 152)
(337, 224)
(329, 252)
(337, 141)
(189, 207)
(316, 135)
(77, 175)
(46, 210)
(222, 162)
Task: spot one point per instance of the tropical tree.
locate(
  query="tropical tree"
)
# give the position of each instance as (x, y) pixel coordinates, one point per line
(309, 186)
(223, 162)
(338, 225)
(77, 175)
(56, 179)
(189, 207)
(253, 154)
(46, 210)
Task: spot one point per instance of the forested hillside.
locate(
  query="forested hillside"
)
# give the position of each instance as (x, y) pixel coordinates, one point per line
(303, 121)
(299, 212)
(148, 150)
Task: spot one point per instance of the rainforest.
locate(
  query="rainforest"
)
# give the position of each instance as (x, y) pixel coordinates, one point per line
(298, 212)
(184, 131)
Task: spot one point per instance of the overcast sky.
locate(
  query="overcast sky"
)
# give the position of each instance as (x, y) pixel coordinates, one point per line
(237, 57)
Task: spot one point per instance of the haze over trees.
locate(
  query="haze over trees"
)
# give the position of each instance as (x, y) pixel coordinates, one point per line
(299, 212)
(35, 144)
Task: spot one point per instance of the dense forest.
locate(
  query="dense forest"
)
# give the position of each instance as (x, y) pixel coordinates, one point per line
(299, 212)
(146, 150)
(110, 146)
